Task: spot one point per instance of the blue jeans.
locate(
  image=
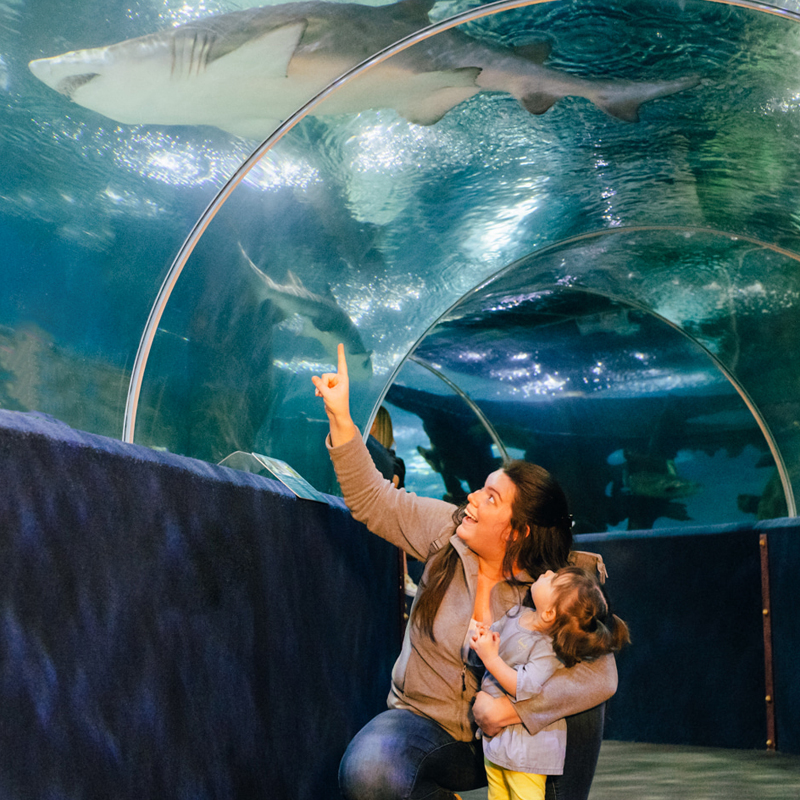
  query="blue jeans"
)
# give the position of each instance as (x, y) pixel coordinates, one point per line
(584, 737)
(402, 756)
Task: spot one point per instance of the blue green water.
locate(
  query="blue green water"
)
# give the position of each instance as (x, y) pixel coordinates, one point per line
(398, 226)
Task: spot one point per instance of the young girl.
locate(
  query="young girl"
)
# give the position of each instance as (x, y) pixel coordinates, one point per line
(571, 622)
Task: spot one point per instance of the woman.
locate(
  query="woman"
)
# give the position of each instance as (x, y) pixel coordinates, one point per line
(480, 562)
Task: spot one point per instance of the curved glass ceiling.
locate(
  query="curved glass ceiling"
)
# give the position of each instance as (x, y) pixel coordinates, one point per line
(614, 298)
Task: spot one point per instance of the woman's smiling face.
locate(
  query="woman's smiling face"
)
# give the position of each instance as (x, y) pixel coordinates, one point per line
(486, 527)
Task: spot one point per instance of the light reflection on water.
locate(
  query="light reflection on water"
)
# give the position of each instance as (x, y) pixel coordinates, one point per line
(396, 221)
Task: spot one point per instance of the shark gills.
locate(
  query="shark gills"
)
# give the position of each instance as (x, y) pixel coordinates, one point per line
(322, 317)
(247, 71)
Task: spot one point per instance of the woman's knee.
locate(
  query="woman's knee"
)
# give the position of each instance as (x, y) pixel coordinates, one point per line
(400, 755)
(363, 775)
(376, 764)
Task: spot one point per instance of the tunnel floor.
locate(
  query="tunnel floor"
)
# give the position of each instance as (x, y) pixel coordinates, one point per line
(635, 771)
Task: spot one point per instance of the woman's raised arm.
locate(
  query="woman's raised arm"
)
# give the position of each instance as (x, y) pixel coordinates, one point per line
(334, 389)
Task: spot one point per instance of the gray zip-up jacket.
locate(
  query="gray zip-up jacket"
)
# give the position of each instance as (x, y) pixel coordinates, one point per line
(431, 678)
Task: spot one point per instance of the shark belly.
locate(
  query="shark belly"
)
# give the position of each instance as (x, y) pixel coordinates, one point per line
(245, 72)
(247, 93)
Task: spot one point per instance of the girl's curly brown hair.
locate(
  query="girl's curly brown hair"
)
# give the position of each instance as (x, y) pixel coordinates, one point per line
(584, 627)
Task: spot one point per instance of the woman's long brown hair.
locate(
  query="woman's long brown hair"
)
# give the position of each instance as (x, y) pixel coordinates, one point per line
(541, 539)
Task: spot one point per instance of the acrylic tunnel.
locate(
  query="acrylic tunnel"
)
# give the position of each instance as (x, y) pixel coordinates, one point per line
(566, 231)
(613, 275)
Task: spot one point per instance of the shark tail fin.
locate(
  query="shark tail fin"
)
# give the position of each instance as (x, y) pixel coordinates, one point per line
(623, 100)
(626, 109)
(249, 261)
(267, 281)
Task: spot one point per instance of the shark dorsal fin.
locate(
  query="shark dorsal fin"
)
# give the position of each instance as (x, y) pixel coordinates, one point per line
(294, 280)
(535, 52)
(416, 9)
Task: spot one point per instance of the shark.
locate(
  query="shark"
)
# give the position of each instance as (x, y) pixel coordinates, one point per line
(322, 318)
(247, 71)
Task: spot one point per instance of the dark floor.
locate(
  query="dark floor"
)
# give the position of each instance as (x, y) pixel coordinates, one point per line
(631, 771)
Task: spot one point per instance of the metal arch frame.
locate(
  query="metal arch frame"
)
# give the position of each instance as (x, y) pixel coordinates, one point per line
(766, 8)
(186, 249)
(473, 406)
(766, 431)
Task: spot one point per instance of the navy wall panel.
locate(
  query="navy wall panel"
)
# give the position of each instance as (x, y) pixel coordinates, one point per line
(784, 560)
(695, 671)
(171, 629)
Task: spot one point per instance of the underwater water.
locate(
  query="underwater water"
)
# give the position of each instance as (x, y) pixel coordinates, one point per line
(616, 299)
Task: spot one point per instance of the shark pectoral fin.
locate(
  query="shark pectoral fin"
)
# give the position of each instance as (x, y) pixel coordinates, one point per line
(538, 102)
(441, 90)
(281, 45)
(268, 53)
(434, 107)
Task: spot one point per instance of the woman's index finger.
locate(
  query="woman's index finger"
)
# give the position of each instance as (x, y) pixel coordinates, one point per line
(342, 368)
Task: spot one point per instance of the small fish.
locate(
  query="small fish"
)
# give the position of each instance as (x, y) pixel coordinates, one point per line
(5, 76)
(247, 71)
(323, 318)
(648, 476)
(617, 322)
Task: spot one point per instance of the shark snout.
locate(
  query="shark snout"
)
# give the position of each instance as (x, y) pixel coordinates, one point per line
(64, 75)
(40, 69)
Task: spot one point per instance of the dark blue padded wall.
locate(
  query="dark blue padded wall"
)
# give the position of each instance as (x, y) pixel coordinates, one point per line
(784, 559)
(695, 671)
(171, 629)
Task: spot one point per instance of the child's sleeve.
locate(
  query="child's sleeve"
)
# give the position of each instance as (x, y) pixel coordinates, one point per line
(540, 666)
(570, 691)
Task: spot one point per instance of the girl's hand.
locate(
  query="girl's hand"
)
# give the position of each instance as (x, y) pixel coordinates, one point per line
(334, 389)
(486, 643)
